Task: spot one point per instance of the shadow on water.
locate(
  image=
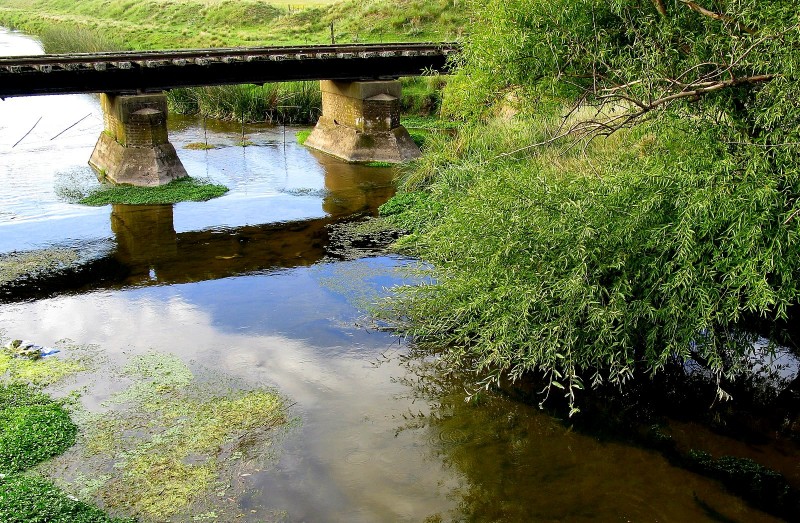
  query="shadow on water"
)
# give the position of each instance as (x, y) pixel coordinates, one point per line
(508, 450)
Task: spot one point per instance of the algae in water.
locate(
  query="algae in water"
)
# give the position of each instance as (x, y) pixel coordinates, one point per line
(170, 441)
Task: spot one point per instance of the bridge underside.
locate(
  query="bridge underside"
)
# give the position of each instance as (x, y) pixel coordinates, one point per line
(360, 122)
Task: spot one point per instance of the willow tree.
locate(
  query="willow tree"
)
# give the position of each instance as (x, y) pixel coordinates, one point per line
(664, 257)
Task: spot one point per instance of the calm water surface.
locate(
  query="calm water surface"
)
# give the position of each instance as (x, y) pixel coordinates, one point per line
(245, 285)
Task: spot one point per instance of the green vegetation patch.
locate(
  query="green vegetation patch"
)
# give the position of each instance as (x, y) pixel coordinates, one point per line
(35, 428)
(285, 102)
(31, 263)
(180, 190)
(40, 372)
(22, 363)
(380, 164)
(762, 486)
(29, 499)
(169, 437)
(68, 38)
(302, 136)
(428, 123)
(199, 146)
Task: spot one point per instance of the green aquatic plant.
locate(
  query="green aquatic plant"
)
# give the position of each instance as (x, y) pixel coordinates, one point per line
(35, 428)
(180, 190)
(302, 136)
(16, 265)
(285, 102)
(39, 372)
(169, 436)
(25, 366)
(199, 146)
(760, 485)
(30, 499)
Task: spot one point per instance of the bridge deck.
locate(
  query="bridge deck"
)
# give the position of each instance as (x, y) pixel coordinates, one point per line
(137, 71)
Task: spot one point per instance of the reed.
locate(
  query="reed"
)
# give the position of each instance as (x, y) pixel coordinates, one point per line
(59, 38)
(289, 102)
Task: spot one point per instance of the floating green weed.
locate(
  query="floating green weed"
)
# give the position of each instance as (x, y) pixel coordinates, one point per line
(302, 136)
(29, 499)
(180, 190)
(35, 428)
(169, 437)
(42, 372)
(379, 164)
(199, 146)
(19, 264)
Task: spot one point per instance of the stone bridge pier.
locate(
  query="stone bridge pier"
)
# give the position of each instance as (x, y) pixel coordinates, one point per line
(134, 148)
(360, 122)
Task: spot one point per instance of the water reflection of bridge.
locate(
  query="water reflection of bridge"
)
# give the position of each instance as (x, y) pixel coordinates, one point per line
(148, 250)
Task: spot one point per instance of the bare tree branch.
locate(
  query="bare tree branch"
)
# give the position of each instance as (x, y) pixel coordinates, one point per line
(694, 6)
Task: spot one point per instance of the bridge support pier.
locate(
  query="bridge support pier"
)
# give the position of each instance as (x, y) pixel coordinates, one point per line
(134, 148)
(360, 122)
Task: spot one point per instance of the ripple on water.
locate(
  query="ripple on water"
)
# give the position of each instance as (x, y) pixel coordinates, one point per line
(357, 457)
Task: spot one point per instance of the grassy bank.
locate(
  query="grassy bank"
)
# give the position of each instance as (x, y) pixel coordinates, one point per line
(154, 24)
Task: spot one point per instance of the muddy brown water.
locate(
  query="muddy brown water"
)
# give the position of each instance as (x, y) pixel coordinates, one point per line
(245, 285)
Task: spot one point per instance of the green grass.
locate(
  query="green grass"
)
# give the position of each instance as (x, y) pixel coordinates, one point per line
(380, 164)
(154, 24)
(57, 39)
(428, 123)
(285, 102)
(199, 146)
(181, 190)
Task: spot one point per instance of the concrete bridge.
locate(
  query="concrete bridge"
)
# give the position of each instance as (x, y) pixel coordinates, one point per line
(360, 96)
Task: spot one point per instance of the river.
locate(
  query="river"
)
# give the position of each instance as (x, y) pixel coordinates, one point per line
(246, 285)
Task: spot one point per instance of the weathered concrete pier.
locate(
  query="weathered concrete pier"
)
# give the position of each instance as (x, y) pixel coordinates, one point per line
(360, 119)
(360, 122)
(134, 147)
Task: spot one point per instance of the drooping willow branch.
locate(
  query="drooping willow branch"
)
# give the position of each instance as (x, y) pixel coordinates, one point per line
(623, 110)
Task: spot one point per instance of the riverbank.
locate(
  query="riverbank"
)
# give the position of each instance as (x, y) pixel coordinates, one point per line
(193, 23)
(612, 254)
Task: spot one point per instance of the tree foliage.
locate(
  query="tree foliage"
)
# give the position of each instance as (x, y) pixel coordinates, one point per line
(644, 226)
